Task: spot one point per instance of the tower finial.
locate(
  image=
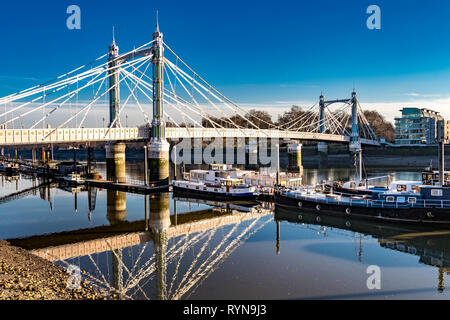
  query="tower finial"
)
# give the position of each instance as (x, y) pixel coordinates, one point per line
(113, 38)
(157, 22)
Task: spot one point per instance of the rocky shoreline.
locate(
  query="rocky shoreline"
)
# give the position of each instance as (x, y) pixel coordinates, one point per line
(24, 276)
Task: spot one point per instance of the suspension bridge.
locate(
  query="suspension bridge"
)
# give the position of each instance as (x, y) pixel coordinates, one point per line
(175, 103)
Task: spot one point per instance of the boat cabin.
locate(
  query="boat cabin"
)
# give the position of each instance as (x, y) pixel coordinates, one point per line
(405, 186)
(431, 177)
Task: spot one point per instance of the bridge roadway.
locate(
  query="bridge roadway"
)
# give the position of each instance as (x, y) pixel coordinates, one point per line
(100, 239)
(29, 137)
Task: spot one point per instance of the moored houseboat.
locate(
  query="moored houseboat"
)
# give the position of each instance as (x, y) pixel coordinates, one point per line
(404, 201)
(220, 182)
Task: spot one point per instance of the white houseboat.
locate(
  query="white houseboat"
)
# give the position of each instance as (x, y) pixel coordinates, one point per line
(221, 181)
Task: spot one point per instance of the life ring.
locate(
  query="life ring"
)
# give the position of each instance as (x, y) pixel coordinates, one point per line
(348, 224)
(318, 207)
(318, 219)
(430, 215)
(300, 217)
(300, 204)
(348, 210)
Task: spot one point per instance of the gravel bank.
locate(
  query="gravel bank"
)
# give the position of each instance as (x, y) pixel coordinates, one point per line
(24, 276)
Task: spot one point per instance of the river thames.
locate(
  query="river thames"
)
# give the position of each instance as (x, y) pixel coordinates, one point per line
(166, 247)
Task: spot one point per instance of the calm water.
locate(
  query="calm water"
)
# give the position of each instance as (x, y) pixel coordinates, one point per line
(163, 247)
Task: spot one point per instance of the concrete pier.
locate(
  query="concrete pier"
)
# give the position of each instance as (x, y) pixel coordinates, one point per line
(295, 157)
(158, 161)
(115, 161)
(116, 206)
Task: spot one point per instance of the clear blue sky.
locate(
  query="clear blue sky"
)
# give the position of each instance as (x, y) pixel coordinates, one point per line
(254, 51)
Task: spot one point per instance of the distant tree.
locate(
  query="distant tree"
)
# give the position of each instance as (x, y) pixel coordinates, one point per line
(262, 119)
(381, 127)
(296, 117)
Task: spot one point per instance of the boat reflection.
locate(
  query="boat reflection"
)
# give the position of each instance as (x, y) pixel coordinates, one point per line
(430, 245)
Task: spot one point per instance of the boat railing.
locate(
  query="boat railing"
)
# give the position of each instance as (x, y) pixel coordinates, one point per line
(420, 203)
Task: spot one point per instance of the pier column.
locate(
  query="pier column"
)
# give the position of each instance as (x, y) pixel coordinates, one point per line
(115, 161)
(322, 147)
(159, 222)
(295, 157)
(43, 155)
(91, 164)
(158, 147)
(116, 206)
(158, 161)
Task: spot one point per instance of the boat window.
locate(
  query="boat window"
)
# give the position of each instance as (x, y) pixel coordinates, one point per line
(390, 199)
(401, 187)
(412, 200)
(401, 199)
(436, 192)
(415, 189)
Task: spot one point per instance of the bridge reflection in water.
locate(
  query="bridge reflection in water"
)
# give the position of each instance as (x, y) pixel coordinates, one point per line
(163, 256)
(430, 245)
(169, 255)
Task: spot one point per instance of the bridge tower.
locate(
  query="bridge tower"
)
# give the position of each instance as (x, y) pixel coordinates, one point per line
(159, 223)
(322, 147)
(158, 147)
(355, 143)
(115, 151)
(116, 213)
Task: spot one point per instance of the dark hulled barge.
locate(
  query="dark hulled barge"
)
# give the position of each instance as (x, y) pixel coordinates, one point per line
(409, 202)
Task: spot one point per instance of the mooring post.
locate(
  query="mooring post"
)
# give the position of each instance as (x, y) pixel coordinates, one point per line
(145, 166)
(174, 151)
(441, 147)
(278, 236)
(277, 156)
(146, 212)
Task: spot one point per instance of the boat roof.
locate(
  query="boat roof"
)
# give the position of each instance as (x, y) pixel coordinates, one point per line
(406, 182)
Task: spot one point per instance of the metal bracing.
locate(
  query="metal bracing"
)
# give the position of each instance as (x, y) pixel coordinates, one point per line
(184, 105)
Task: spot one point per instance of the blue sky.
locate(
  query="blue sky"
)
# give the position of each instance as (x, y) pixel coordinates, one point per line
(270, 53)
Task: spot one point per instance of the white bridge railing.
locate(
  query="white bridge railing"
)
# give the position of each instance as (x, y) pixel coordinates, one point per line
(17, 137)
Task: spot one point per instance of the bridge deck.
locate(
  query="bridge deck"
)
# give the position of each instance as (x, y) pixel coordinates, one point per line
(22, 137)
(100, 244)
